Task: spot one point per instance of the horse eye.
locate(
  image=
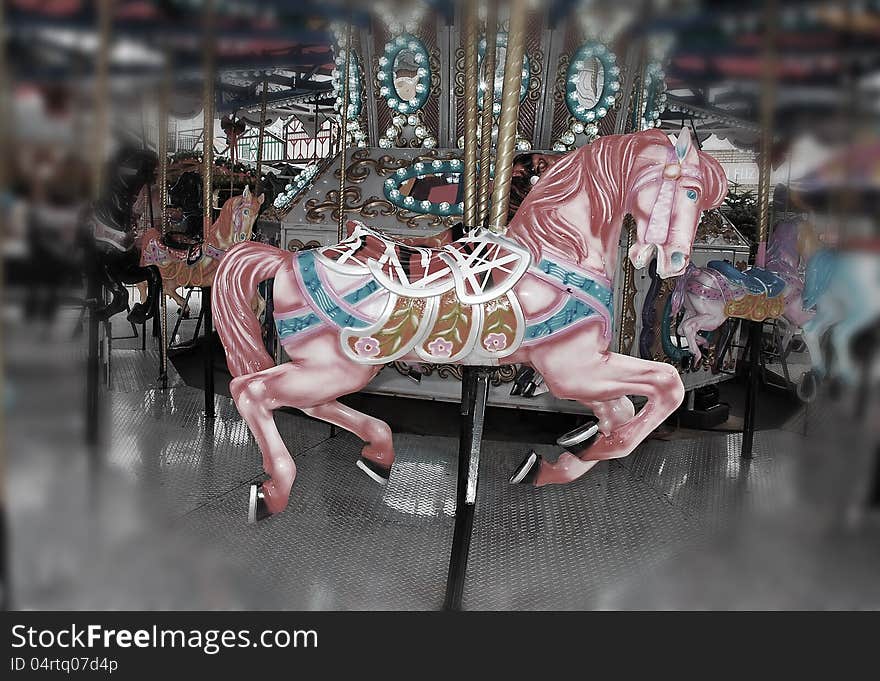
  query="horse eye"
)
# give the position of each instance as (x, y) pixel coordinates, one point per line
(692, 194)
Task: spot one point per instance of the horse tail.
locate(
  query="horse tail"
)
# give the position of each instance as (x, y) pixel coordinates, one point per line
(235, 284)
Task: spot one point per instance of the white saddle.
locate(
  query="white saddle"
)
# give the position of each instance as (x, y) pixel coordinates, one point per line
(481, 266)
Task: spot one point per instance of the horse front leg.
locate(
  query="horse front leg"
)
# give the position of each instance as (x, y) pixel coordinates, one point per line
(578, 367)
(142, 311)
(118, 294)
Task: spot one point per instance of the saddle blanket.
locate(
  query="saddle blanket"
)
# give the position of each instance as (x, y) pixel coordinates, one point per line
(379, 325)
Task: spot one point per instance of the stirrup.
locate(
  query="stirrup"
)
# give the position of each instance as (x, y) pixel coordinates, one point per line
(581, 438)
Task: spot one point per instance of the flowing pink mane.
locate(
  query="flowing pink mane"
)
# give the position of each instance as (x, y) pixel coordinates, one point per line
(603, 171)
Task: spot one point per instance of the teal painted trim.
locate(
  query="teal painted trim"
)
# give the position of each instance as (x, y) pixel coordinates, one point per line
(573, 311)
(580, 282)
(320, 298)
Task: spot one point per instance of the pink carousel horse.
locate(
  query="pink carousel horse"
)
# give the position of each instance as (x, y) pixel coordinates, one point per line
(233, 226)
(540, 295)
(710, 295)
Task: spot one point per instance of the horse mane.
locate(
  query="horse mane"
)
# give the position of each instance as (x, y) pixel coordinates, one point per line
(600, 170)
(783, 241)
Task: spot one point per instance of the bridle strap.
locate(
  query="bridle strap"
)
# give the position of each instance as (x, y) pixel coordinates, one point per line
(671, 174)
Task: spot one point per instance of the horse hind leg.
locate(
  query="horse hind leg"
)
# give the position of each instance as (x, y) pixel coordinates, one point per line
(310, 383)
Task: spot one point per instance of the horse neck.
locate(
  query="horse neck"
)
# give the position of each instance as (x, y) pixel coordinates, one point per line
(223, 224)
(114, 208)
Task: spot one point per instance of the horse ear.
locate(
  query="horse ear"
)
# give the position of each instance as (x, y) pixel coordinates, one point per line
(683, 143)
(686, 148)
(261, 198)
(246, 194)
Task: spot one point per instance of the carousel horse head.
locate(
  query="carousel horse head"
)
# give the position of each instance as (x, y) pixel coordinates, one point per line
(128, 171)
(664, 186)
(673, 184)
(237, 219)
(186, 193)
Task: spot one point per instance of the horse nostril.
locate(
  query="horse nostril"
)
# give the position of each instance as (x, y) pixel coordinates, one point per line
(678, 259)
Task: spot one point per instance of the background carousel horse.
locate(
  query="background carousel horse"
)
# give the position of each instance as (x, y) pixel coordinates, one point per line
(711, 295)
(541, 295)
(844, 286)
(109, 236)
(178, 268)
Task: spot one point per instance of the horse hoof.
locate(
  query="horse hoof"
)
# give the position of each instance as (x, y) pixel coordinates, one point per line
(807, 387)
(257, 508)
(139, 314)
(376, 472)
(527, 471)
(581, 438)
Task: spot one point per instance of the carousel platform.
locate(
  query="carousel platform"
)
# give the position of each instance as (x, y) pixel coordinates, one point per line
(155, 518)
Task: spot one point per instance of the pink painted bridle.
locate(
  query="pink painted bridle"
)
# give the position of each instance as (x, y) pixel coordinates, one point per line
(670, 174)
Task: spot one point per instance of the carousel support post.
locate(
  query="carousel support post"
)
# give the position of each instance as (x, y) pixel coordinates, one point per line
(509, 119)
(162, 149)
(208, 197)
(261, 136)
(768, 102)
(95, 291)
(487, 116)
(475, 380)
(269, 322)
(469, 35)
(343, 131)
(474, 394)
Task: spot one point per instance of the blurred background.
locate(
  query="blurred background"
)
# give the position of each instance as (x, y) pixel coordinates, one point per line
(126, 465)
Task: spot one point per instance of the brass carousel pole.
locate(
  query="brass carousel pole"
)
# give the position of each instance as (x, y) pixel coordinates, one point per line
(162, 150)
(343, 131)
(507, 123)
(487, 116)
(475, 380)
(258, 188)
(469, 36)
(207, 193)
(767, 107)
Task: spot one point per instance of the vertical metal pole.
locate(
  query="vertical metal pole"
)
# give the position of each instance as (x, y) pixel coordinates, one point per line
(507, 122)
(5, 151)
(469, 36)
(343, 132)
(162, 150)
(208, 353)
(487, 116)
(95, 292)
(259, 186)
(474, 395)
(768, 103)
(207, 196)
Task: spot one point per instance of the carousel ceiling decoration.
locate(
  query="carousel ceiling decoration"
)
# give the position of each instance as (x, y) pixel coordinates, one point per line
(441, 168)
(404, 76)
(653, 96)
(354, 134)
(522, 144)
(295, 188)
(591, 86)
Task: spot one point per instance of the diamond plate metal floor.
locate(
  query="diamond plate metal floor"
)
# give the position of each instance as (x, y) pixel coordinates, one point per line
(156, 519)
